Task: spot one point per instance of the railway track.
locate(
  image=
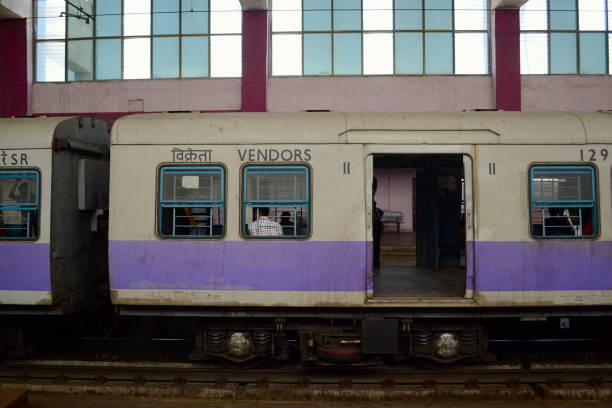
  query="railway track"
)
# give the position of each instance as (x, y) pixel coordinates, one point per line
(292, 383)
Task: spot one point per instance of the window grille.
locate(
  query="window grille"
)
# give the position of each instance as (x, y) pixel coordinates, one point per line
(191, 201)
(563, 201)
(19, 204)
(283, 192)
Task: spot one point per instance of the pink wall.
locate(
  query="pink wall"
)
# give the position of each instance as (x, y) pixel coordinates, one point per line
(385, 93)
(14, 67)
(395, 193)
(566, 92)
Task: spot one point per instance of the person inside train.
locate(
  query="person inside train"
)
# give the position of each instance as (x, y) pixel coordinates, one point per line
(587, 221)
(264, 226)
(557, 224)
(286, 221)
(377, 225)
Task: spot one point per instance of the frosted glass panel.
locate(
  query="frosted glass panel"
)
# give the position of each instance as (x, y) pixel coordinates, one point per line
(593, 53)
(80, 60)
(563, 53)
(347, 54)
(378, 54)
(136, 58)
(438, 53)
(409, 53)
(438, 14)
(225, 17)
(194, 16)
(136, 17)
(471, 56)
(287, 54)
(108, 59)
(80, 27)
(563, 15)
(378, 14)
(408, 14)
(48, 24)
(194, 57)
(165, 16)
(165, 57)
(50, 61)
(108, 18)
(226, 56)
(317, 54)
(534, 54)
(287, 15)
(317, 15)
(533, 15)
(347, 15)
(471, 15)
(591, 15)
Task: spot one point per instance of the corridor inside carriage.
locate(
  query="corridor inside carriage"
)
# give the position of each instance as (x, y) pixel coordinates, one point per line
(419, 226)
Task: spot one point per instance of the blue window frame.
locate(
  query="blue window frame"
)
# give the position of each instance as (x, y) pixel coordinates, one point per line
(191, 202)
(563, 201)
(19, 204)
(281, 193)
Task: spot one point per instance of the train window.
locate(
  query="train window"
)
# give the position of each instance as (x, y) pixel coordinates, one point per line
(19, 204)
(276, 201)
(563, 201)
(191, 201)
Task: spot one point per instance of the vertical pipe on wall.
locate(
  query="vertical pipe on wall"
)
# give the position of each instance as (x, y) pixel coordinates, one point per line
(14, 67)
(507, 62)
(255, 34)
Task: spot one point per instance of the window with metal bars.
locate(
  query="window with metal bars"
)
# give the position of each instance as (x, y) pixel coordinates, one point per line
(19, 204)
(191, 202)
(276, 201)
(563, 201)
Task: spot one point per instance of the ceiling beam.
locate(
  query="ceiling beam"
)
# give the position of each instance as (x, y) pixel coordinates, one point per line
(256, 4)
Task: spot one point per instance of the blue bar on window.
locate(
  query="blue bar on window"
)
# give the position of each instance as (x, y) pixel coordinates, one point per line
(563, 55)
(347, 15)
(347, 54)
(317, 15)
(409, 53)
(194, 57)
(438, 14)
(165, 57)
(593, 53)
(408, 15)
(438, 53)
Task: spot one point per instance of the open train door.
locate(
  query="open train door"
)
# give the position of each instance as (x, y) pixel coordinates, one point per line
(468, 211)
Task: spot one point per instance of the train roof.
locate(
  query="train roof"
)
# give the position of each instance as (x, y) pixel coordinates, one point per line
(39, 132)
(471, 127)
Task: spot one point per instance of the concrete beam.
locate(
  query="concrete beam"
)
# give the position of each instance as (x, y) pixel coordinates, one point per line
(10, 9)
(507, 4)
(251, 5)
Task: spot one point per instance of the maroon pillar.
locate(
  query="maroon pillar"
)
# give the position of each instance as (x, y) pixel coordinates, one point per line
(13, 67)
(507, 70)
(254, 61)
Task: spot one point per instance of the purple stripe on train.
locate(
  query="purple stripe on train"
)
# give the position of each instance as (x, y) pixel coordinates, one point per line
(238, 265)
(25, 266)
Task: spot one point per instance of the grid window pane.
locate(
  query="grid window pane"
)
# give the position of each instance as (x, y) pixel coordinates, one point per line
(225, 17)
(226, 56)
(136, 58)
(108, 59)
(165, 57)
(136, 17)
(165, 16)
(287, 15)
(408, 14)
(347, 54)
(48, 23)
(19, 204)
(317, 54)
(409, 53)
(80, 60)
(194, 17)
(610, 54)
(347, 15)
(80, 27)
(563, 53)
(533, 15)
(471, 15)
(194, 62)
(593, 53)
(317, 15)
(534, 53)
(50, 61)
(471, 56)
(591, 15)
(378, 14)
(609, 15)
(563, 15)
(287, 55)
(108, 18)
(378, 54)
(438, 14)
(438, 53)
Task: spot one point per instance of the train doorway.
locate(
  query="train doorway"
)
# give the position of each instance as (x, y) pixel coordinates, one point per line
(419, 226)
